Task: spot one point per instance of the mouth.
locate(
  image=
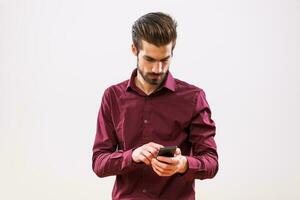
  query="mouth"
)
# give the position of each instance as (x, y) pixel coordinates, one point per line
(155, 76)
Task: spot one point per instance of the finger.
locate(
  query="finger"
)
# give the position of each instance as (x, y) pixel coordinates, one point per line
(155, 145)
(167, 160)
(164, 170)
(164, 166)
(161, 172)
(144, 159)
(156, 171)
(147, 155)
(152, 150)
(177, 152)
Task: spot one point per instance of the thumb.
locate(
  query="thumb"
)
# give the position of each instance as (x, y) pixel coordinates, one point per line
(177, 152)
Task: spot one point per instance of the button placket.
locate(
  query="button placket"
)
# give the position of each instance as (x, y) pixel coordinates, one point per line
(146, 111)
(146, 120)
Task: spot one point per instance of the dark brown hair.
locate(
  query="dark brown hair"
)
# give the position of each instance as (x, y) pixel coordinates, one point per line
(156, 28)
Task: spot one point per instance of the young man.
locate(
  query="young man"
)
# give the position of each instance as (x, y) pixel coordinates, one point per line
(149, 111)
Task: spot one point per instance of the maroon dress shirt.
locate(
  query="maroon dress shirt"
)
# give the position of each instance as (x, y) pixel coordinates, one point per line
(177, 114)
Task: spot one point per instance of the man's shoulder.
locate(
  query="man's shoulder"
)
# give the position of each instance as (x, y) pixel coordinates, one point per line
(189, 91)
(185, 86)
(117, 89)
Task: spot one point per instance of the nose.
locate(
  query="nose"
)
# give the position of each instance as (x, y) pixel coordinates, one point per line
(157, 68)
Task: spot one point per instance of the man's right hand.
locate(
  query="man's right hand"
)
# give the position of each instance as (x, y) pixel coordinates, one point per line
(145, 153)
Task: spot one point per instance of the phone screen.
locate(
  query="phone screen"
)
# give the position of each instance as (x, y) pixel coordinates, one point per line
(167, 151)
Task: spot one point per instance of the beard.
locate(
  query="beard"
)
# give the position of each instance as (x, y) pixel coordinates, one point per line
(152, 78)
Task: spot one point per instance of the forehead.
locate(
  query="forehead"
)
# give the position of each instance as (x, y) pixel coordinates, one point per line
(155, 51)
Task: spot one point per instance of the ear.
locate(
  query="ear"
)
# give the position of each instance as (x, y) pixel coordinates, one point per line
(134, 49)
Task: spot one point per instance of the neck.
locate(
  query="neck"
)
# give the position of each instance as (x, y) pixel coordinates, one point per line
(143, 85)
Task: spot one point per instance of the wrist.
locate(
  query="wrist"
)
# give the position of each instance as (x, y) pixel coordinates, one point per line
(184, 165)
(133, 156)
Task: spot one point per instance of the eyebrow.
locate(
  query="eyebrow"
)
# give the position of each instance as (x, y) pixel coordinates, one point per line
(150, 58)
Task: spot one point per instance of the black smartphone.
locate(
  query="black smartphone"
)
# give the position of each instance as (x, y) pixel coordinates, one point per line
(167, 151)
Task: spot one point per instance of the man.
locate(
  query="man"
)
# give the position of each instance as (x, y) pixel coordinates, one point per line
(149, 111)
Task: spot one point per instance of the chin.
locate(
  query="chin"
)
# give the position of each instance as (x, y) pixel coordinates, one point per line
(154, 82)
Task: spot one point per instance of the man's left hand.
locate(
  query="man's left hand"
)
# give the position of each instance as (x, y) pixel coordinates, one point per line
(167, 166)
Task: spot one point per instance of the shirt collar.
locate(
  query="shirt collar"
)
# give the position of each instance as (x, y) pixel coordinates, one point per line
(168, 83)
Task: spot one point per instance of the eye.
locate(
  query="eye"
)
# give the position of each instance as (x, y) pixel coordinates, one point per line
(149, 59)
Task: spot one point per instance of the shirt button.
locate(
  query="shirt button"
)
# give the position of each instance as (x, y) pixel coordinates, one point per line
(144, 190)
(145, 121)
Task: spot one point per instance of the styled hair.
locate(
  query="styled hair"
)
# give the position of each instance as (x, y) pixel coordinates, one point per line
(156, 28)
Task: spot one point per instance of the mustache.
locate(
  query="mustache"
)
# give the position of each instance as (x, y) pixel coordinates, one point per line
(156, 74)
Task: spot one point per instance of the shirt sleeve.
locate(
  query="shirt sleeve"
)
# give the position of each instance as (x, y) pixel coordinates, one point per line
(203, 162)
(107, 160)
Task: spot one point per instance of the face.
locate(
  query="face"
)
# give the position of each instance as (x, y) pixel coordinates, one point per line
(153, 62)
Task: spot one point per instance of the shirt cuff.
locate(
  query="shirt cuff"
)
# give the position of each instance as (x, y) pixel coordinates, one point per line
(128, 161)
(194, 166)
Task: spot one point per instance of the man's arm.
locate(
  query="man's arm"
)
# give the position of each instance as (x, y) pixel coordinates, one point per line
(203, 163)
(107, 160)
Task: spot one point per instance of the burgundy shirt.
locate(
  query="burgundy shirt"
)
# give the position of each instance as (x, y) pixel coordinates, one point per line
(177, 114)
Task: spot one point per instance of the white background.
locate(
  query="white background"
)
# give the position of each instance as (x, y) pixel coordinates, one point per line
(58, 56)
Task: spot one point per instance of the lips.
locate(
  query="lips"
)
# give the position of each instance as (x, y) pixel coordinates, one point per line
(155, 76)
